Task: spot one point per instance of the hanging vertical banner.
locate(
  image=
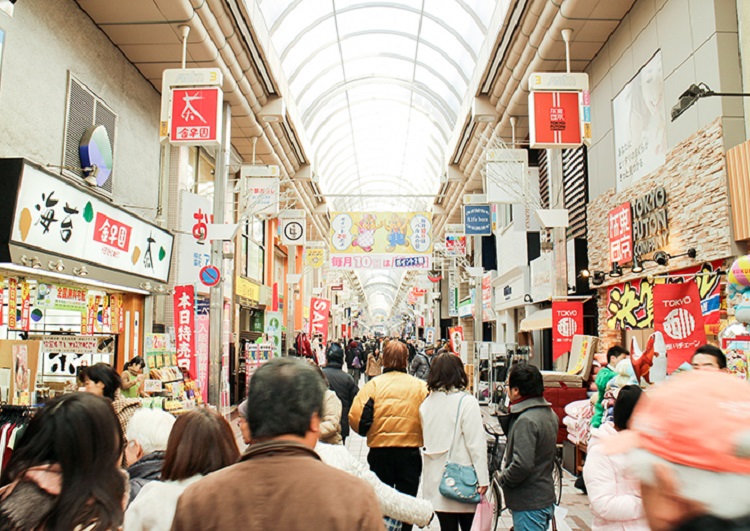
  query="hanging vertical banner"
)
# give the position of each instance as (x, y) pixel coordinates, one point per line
(93, 306)
(272, 330)
(202, 345)
(620, 235)
(567, 321)
(184, 324)
(12, 303)
(320, 311)
(457, 337)
(314, 257)
(25, 306)
(429, 335)
(106, 313)
(116, 311)
(677, 315)
(2, 292)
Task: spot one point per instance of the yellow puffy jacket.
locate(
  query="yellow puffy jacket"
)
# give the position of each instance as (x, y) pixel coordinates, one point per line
(387, 410)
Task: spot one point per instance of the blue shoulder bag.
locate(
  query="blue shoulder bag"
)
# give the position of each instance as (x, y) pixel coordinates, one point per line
(459, 482)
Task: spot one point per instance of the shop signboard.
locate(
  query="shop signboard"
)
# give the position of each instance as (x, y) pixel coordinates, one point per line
(456, 335)
(202, 344)
(69, 344)
(61, 297)
(25, 306)
(541, 278)
(555, 119)
(193, 247)
(247, 291)
(506, 179)
(264, 194)
(455, 245)
(156, 350)
(314, 258)
(272, 330)
(320, 314)
(650, 222)
(620, 235)
(195, 116)
(429, 335)
(466, 307)
(567, 321)
(488, 312)
(60, 218)
(381, 240)
(677, 315)
(453, 302)
(477, 220)
(12, 303)
(184, 323)
(640, 125)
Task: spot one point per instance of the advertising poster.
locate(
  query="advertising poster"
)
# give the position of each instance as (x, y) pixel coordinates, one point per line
(677, 315)
(429, 335)
(456, 337)
(366, 240)
(320, 310)
(22, 374)
(640, 125)
(455, 245)
(272, 330)
(567, 321)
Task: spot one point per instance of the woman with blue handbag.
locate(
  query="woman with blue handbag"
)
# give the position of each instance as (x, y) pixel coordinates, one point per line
(455, 473)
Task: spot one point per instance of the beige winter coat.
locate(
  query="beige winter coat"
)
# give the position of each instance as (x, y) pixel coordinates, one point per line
(330, 425)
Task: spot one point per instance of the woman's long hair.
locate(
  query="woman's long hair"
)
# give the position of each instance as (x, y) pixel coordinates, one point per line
(80, 433)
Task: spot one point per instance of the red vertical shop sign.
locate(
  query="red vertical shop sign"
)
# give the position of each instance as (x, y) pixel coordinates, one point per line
(25, 306)
(677, 315)
(554, 119)
(2, 291)
(12, 303)
(184, 323)
(567, 321)
(321, 310)
(621, 234)
(195, 115)
(457, 336)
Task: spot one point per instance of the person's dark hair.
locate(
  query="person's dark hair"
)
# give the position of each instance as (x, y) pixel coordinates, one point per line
(101, 372)
(201, 442)
(395, 355)
(615, 351)
(447, 372)
(80, 433)
(284, 394)
(527, 379)
(135, 361)
(627, 398)
(716, 352)
(335, 353)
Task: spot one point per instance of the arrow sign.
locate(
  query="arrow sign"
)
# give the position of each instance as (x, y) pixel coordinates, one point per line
(210, 276)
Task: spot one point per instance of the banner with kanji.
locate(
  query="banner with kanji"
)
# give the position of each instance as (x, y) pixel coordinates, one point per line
(320, 310)
(184, 325)
(677, 315)
(567, 321)
(456, 334)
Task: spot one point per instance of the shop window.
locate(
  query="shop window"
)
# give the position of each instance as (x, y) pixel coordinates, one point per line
(84, 110)
(204, 184)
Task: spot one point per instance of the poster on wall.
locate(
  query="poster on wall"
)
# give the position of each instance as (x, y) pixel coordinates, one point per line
(677, 315)
(381, 240)
(640, 125)
(567, 321)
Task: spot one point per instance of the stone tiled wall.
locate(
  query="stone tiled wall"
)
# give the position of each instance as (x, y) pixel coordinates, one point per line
(695, 179)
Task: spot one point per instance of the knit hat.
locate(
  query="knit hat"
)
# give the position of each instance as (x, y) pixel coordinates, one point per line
(335, 353)
(698, 419)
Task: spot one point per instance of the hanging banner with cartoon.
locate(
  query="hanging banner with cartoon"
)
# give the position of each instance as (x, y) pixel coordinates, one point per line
(381, 240)
(630, 305)
(677, 315)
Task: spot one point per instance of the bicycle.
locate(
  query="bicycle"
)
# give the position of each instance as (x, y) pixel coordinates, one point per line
(495, 454)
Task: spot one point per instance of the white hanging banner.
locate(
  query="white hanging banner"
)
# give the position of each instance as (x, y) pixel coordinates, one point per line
(263, 195)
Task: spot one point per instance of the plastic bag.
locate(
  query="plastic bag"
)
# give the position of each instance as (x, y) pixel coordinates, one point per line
(483, 516)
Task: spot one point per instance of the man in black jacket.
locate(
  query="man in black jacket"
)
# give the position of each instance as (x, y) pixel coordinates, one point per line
(341, 383)
(526, 478)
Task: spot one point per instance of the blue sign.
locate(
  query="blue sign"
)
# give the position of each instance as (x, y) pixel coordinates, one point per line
(477, 220)
(210, 276)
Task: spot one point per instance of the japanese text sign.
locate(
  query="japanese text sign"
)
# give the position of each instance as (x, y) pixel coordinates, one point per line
(554, 119)
(63, 219)
(193, 249)
(621, 234)
(195, 116)
(12, 303)
(567, 321)
(677, 315)
(320, 310)
(184, 325)
(263, 193)
(455, 245)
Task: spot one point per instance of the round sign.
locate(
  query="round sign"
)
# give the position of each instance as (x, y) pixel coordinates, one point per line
(210, 276)
(293, 231)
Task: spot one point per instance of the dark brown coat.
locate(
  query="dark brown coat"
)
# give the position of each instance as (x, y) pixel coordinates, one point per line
(279, 485)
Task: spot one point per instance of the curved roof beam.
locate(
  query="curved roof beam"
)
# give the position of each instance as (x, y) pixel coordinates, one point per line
(419, 88)
(356, 7)
(362, 33)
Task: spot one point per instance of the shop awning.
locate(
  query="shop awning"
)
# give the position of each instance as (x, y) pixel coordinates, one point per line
(538, 320)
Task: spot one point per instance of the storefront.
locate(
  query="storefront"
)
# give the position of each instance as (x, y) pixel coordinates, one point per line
(250, 326)
(76, 275)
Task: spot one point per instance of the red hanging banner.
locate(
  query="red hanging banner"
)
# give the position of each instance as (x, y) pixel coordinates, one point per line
(184, 324)
(2, 291)
(457, 336)
(12, 303)
(320, 313)
(677, 315)
(25, 306)
(567, 321)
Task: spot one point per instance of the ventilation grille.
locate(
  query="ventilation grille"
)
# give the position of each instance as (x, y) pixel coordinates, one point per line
(84, 110)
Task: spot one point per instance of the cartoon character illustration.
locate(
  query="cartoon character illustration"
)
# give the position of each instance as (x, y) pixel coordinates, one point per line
(365, 238)
(396, 232)
(643, 361)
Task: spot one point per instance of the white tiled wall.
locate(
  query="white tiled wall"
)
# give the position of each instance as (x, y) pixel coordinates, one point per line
(699, 43)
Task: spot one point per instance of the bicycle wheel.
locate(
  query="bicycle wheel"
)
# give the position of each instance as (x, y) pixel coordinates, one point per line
(495, 497)
(557, 481)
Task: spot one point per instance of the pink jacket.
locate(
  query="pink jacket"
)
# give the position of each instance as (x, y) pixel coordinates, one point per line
(614, 497)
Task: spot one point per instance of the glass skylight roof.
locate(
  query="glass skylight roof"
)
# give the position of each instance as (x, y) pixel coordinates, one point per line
(378, 85)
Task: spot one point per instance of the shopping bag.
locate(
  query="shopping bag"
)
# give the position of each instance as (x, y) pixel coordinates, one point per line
(483, 516)
(391, 524)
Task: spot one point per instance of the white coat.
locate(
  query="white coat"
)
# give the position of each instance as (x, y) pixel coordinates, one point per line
(438, 415)
(155, 505)
(615, 497)
(393, 503)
